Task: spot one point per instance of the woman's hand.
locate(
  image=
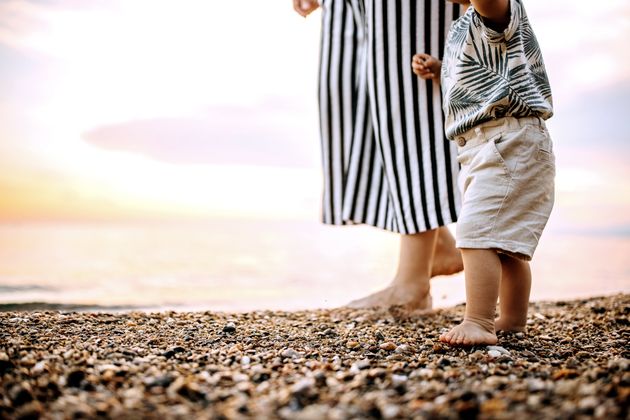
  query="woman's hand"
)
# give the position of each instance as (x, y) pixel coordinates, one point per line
(305, 7)
(426, 66)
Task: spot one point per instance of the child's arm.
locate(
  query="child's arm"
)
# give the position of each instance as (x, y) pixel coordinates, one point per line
(496, 13)
(426, 66)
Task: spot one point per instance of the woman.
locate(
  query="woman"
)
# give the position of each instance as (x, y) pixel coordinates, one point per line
(386, 161)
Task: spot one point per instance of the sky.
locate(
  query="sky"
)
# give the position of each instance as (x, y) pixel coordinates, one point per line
(114, 110)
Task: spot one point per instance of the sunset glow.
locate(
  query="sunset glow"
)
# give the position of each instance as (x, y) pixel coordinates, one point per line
(235, 83)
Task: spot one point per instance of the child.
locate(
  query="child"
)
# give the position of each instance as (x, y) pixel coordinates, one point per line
(496, 96)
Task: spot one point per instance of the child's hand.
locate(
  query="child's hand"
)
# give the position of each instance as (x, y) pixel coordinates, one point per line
(426, 66)
(305, 7)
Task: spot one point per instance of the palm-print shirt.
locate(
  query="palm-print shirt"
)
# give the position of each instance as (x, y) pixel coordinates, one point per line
(488, 74)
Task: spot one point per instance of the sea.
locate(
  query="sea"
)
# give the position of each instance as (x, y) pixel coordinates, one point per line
(243, 265)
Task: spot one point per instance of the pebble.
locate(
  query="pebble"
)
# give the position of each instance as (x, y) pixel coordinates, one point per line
(403, 348)
(535, 384)
(230, 327)
(335, 363)
(499, 349)
(388, 346)
(290, 354)
(303, 386)
(494, 354)
(352, 344)
(361, 364)
(588, 403)
(40, 367)
(390, 411)
(399, 380)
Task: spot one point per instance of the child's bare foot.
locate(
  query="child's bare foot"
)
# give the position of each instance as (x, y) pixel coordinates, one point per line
(469, 333)
(504, 325)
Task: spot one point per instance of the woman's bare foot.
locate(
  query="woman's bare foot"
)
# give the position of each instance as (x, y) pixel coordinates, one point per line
(504, 325)
(409, 296)
(469, 333)
(447, 259)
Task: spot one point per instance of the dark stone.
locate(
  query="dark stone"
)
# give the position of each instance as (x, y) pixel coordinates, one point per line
(259, 377)
(162, 381)
(6, 366)
(86, 386)
(320, 379)
(50, 392)
(467, 409)
(330, 332)
(401, 388)
(74, 378)
(468, 396)
(20, 396)
(172, 352)
(229, 328)
(168, 354)
(191, 394)
(129, 353)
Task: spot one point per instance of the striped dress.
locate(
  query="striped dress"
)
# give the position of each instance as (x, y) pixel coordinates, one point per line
(386, 160)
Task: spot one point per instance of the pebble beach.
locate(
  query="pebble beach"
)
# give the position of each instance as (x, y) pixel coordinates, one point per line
(572, 362)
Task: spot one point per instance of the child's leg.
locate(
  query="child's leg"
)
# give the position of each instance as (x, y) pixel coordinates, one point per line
(482, 268)
(516, 282)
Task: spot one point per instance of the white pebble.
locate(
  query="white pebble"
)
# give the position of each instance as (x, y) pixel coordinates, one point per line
(390, 411)
(495, 354)
(398, 379)
(499, 349)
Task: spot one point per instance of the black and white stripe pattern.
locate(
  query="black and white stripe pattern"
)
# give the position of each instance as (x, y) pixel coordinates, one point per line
(385, 158)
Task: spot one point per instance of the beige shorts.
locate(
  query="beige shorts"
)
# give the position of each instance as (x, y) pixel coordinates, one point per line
(507, 185)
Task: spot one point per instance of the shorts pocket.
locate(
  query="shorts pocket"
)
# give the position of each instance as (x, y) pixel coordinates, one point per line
(545, 148)
(545, 156)
(494, 144)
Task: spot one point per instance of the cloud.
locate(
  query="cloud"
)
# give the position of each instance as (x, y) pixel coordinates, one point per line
(268, 135)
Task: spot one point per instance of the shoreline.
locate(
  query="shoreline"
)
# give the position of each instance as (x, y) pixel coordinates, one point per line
(64, 307)
(574, 360)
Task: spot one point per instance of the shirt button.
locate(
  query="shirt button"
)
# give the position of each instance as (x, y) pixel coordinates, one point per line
(461, 142)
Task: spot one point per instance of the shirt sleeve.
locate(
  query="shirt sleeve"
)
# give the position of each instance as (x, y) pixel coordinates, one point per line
(516, 12)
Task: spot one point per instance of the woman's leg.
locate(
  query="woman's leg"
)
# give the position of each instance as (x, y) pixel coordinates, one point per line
(410, 286)
(419, 255)
(447, 259)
